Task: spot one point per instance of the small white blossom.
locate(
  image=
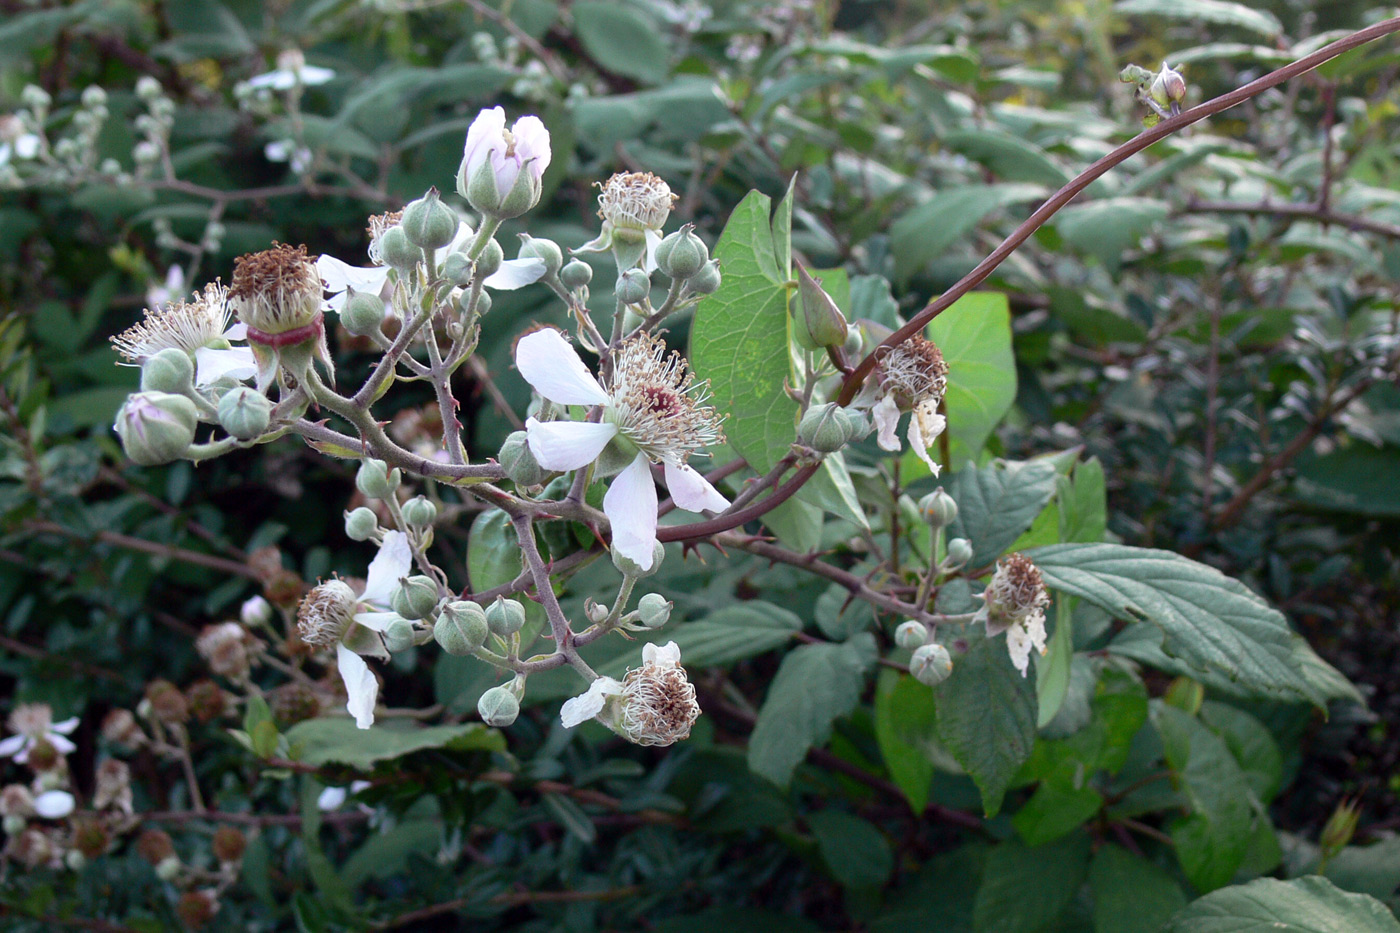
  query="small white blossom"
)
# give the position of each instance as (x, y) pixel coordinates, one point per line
(200, 327)
(291, 71)
(33, 723)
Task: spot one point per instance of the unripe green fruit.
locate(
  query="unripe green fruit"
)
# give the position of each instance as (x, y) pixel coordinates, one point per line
(853, 343)
(516, 458)
(498, 707)
(415, 597)
(654, 610)
(959, 552)
(156, 427)
(489, 262)
(419, 512)
(361, 524)
(547, 251)
(376, 480)
(398, 636)
(938, 509)
(483, 303)
(244, 413)
(397, 250)
(682, 254)
(428, 223)
(633, 287)
(458, 269)
(706, 281)
(630, 568)
(170, 370)
(824, 428)
(505, 616)
(576, 274)
(911, 635)
(461, 627)
(931, 664)
(362, 314)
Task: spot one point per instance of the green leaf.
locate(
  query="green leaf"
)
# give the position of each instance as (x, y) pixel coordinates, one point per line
(815, 684)
(1131, 894)
(929, 230)
(621, 40)
(1357, 479)
(1108, 227)
(493, 553)
(1218, 12)
(326, 740)
(1025, 889)
(1057, 807)
(739, 339)
(1303, 905)
(1083, 504)
(904, 725)
(1008, 157)
(996, 503)
(856, 853)
(975, 337)
(571, 817)
(797, 524)
(735, 632)
(939, 898)
(748, 919)
(986, 718)
(831, 489)
(1253, 748)
(1207, 619)
(1052, 671)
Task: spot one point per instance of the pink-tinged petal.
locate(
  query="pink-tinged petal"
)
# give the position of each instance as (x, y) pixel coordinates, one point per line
(589, 703)
(61, 745)
(630, 504)
(12, 746)
(691, 491)
(67, 726)
(532, 144)
(54, 804)
(393, 562)
(505, 168)
(211, 365)
(667, 655)
(886, 417)
(360, 686)
(552, 366)
(487, 130)
(515, 273)
(376, 621)
(567, 445)
(238, 331)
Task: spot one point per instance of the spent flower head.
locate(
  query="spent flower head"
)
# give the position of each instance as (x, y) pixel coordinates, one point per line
(34, 726)
(1014, 602)
(199, 327)
(634, 207)
(911, 376)
(652, 705)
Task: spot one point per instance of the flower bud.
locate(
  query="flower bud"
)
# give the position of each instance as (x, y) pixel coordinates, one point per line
(196, 908)
(547, 251)
(461, 627)
(959, 553)
(168, 869)
(1167, 87)
(207, 701)
(415, 597)
(458, 269)
(633, 287)
(519, 462)
(654, 610)
(399, 636)
(853, 344)
(630, 568)
(167, 702)
(419, 512)
(397, 250)
(255, 611)
(376, 480)
(824, 428)
(428, 223)
(911, 635)
(362, 314)
(228, 844)
(819, 322)
(857, 426)
(483, 303)
(706, 281)
(505, 616)
(156, 427)
(1339, 828)
(596, 612)
(682, 254)
(361, 524)
(244, 413)
(120, 728)
(93, 97)
(498, 707)
(931, 664)
(501, 168)
(576, 274)
(155, 846)
(170, 370)
(938, 509)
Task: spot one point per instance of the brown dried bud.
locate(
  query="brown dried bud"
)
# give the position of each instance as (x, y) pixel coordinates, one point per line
(913, 371)
(91, 838)
(120, 728)
(113, 791)
(31, 848)
(197, 908)
(16, 800)
(285, 590)
(229, 844)
(155, 846)
(293, 703)
(167, 702)
(266, 563)
(43, 756)
(276, 291)
(207, 700)
(225, 647)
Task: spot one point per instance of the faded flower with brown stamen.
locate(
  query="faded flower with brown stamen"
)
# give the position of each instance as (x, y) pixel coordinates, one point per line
(34, 727)
(634, 207)
(911, 376)
(277, 293)
(653, 412)
(653, 704)
(200, 328)
(1014, 602)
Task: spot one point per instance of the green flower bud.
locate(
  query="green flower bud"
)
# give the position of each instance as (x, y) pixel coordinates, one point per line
(633, 287)
(820, 323)
(1339, 828)
(169, 868)
(596, 612)
(706, 281)
(93, 97)
(244, 413)
(938, 509)
(415, 597)
(156, 427)
(13, 824)
(419, 512)
(824, 428)
(376, 480)
(170, 370)
(75, 860)
(505, 616)
(630, 568)
(361, 524)
(483, 303)
(959, 552)
(458, 269)
(362, 313)
(654, 609)
(931, 664)
(547, 251)
(519, 462)
(857, 426)
(397, 250)
(461, 627)
(576, 274)
(853, 343)
(682, 254)
(489, 262)
(498, 707)
(911, 635)
(399, 636)
(428, 223)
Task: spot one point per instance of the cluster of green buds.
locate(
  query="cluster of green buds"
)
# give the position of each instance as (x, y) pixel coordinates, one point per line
(929, 662)
(1160, 92)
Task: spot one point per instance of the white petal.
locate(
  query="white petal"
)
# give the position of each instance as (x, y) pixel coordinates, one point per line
(692, 491)
(393, 562)
(54, 804)
(549, 364)
(360, 686)
(515, 273)
(886, 417)
(277, 80)
(667, 655)
(376, 621)
(212, 365)
(12, 745)
(331, 799)
(339, 275)
(589, 703)
(653, 238)
(925, 424)
(532, 144)
(312, 75)
(486, 131)
(630, 504)
(60, 744)
(67, 726)
(27, 146)
(238, 331)
(567, 445)
(1018, 645)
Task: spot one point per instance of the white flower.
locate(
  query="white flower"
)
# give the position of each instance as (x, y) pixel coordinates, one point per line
(332, 615)
(333, 798)
(15, 140)
(54, 804)
(255, 611)
(33, 723)
(502, 168)
(912, 376)
(284, 150)
(169, 290)
(291, 71)
(200, 327)
(651, 411)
